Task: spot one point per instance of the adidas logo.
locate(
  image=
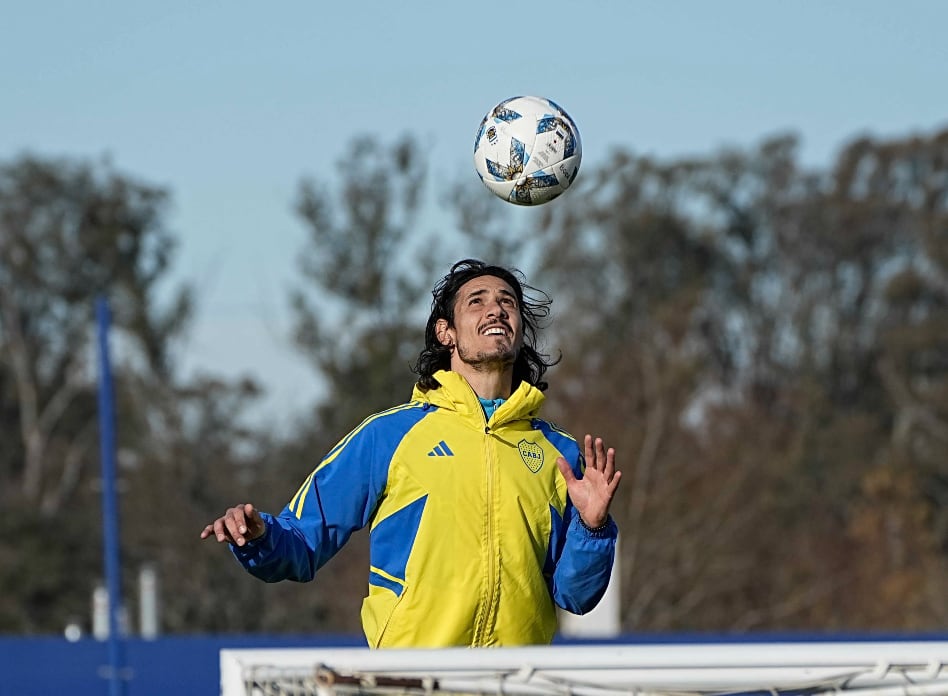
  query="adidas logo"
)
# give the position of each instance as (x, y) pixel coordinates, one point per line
(441, 450)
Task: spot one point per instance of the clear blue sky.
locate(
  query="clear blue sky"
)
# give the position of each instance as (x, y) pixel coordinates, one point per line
(229, 104)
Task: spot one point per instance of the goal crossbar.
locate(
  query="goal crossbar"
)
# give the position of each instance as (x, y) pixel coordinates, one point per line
(910, 668)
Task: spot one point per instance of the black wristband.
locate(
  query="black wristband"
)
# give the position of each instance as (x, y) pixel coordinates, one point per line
(598, 531)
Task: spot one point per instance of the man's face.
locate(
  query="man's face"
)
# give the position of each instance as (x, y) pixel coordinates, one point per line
(487, 324)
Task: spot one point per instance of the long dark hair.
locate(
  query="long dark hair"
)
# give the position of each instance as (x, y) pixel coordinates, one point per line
(530, 364)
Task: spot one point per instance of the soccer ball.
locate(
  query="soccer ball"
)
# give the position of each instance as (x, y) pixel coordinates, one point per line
(527, 150)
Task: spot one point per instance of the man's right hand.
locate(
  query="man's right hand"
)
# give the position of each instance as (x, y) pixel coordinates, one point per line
(240, 524)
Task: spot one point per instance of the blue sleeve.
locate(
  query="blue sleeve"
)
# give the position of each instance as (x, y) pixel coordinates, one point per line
(336, 499)
(580, 561)
(585, 564)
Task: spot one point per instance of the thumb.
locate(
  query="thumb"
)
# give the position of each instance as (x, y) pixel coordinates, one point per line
(255, 523)
(566, 470)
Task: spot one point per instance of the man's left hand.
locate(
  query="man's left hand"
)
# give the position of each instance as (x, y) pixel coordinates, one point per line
(592, 494)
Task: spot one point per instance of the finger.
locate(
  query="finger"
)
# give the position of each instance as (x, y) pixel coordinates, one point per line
(207, 531)
(600, 454)
(254, 522)
(256, 525)
(614, 484)
(240, 518)
(566, 470)
(590, 453)
(235, 523)
(610, 468)
(220, 530)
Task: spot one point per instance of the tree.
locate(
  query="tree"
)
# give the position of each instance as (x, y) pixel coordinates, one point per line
(67, 233)
(742, 330)
(364, 272)
(366, 269)
(70, 231)
(763, 345)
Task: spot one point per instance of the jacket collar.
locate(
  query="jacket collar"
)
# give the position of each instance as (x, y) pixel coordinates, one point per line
(457, 395)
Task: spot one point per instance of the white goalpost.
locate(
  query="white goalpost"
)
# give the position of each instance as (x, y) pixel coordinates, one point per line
(897, 668)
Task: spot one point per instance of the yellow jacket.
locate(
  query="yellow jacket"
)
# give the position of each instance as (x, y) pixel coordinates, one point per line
(473, 539)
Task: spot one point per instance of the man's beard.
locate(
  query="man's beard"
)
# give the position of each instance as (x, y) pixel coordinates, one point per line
(485, 360)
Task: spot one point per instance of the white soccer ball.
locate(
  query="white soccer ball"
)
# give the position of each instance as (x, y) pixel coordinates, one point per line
(527, 150)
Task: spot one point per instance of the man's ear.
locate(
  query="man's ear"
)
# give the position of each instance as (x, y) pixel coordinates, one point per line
(444, 333)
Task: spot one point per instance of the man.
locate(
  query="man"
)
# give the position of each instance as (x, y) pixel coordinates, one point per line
(475, 537)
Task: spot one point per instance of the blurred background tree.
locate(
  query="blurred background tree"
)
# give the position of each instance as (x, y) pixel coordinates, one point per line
(732, 326)
(68, 232)
(765, 346)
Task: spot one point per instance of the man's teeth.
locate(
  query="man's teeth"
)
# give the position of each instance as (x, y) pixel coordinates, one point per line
(495, 331)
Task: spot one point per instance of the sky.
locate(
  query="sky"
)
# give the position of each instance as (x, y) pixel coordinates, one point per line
(228, 105)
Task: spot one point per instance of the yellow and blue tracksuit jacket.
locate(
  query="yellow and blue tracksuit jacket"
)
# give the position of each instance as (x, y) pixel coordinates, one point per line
(473, 540)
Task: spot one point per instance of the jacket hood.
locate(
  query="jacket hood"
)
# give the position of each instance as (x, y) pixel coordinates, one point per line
(456, 394)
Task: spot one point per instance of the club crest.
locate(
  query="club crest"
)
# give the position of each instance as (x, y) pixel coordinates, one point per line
(532, 455)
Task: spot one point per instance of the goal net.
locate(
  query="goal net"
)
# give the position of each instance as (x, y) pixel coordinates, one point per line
(901, 668)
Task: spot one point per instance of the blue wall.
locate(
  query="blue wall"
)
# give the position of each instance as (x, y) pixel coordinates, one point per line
(172, 665)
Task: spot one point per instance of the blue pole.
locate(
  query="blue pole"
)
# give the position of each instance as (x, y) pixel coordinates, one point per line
(110, 524)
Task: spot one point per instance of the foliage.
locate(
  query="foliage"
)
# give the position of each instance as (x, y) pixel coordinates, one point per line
(764, 345)
(767, 346)
(69, 233)
(366, 270)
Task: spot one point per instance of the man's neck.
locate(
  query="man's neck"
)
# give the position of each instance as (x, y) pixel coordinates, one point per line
(488, 384)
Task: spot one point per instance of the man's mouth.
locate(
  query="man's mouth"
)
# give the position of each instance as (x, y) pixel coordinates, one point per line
(496, 330)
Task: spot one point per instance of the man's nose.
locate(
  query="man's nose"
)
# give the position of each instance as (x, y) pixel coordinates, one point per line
(497, 309)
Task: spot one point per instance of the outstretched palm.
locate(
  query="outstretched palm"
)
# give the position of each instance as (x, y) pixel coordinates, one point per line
(592, 494)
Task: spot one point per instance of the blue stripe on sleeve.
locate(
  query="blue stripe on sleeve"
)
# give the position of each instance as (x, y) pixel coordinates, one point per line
(338, 498)
(393, 538)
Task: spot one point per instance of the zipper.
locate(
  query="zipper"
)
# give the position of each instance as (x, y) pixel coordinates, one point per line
(486, 615)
